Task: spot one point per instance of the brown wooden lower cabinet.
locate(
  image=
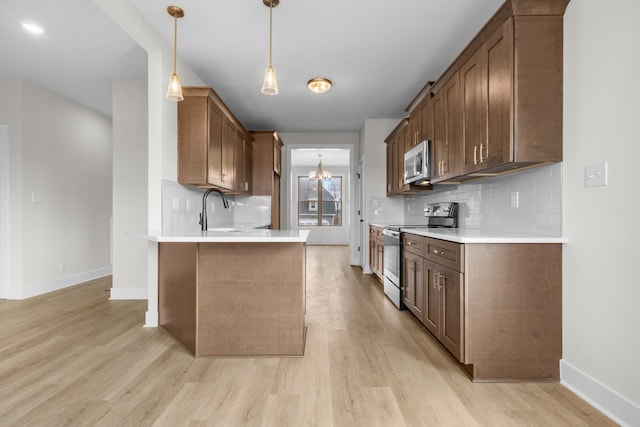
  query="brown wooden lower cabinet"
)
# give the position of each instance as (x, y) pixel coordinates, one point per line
(233, 299)
(376, 251)
(497, 308)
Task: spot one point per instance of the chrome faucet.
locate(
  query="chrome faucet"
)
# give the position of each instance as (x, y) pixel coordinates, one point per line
(203, 214)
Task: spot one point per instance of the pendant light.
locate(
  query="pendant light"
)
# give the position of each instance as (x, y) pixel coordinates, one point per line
(174, 91)
(319, 173)
(270, 85)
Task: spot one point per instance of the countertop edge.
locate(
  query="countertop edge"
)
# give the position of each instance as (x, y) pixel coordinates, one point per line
(264, 236)
(461, 236)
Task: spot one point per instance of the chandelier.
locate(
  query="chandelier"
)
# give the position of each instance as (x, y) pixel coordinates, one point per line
(319, 173)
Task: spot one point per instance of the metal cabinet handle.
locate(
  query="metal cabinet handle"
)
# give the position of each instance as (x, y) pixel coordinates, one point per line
(481, 159)
(475, 154)
(437, 252)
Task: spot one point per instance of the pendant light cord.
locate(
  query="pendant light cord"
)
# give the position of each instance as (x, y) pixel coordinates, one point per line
(175, 41)
(270, 29)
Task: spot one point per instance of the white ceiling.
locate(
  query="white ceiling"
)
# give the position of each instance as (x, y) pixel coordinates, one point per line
(378, 53)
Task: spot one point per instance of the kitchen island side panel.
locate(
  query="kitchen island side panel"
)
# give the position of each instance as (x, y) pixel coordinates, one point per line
(251, 299)
(177, 291)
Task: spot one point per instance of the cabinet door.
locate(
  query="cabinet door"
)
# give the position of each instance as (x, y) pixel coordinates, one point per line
(277, 156)
(248, 166)
(228, 142)
(380, 262)
(426, 113)
(431, 317)
(453, 124)
(389, 167)
(238, 161)
(452, 311)
(415, 281)
(473, 119)
(373, 253)
(415, 122)
(447, 131)
(409, 276)
(498, 94)
(193, 137)
(214, 163)
(398, 156)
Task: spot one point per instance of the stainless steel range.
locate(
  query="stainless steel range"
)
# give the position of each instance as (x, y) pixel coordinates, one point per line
(436, 215)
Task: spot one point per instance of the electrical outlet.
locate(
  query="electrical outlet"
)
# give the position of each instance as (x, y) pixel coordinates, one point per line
(515, 199)
(36, 197)
(188, 204)
(61, 267)
(596, 175)
(176, 203)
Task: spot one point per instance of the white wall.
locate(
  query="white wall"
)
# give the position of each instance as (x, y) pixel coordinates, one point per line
(60, 190)
(378, 208)
(129, 188)
(162, 124)
(4, 210)
(601, 288)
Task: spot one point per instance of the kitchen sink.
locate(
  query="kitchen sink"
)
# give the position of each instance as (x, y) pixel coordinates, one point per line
(225, 229)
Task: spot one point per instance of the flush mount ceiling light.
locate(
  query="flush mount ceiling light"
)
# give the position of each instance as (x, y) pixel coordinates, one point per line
(319, 173)
(174, 91)
(319, 85)
(32, 27)
(270, 85)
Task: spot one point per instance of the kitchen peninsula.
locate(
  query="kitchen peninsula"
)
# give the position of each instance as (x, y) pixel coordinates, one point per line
(233, 292)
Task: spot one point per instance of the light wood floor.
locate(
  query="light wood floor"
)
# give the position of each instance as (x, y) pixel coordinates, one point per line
(74, 358)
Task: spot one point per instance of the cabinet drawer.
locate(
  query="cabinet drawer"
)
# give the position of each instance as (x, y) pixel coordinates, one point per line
(414, 244)
(449, 254)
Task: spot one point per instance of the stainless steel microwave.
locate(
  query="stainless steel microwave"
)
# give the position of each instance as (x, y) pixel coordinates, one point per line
(417, 164)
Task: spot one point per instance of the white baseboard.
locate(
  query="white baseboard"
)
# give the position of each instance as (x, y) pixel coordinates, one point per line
(128, 293)
(151, 319)
(608, 401)
(57, 284)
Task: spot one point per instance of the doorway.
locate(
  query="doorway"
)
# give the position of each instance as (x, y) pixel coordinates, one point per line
(4, 211)
(322, 205)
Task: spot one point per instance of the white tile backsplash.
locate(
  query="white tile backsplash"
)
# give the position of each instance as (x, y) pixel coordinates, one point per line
(181, 206)
(385, 210)
(486, 204)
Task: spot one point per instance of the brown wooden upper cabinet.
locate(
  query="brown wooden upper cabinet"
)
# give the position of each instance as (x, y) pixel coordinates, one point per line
(399, 141)
(498, 107)
(267, 162)
(214, 149)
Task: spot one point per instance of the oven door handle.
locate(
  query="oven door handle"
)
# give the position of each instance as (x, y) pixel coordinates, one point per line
(391, 233)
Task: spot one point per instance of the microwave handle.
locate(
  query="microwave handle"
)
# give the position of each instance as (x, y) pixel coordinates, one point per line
(416, 172)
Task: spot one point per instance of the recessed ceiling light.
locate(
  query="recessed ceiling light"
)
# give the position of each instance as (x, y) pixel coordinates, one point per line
(32, 28)
(319, 85)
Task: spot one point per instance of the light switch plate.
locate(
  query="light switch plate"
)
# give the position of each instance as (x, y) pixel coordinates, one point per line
(596, 175)
(515, 199)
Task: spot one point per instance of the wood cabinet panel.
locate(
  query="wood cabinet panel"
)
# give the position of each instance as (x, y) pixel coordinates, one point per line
(208, 142)
(266, 182)
(376, 251)
(497, 308)
(488, 106)
(413, 283)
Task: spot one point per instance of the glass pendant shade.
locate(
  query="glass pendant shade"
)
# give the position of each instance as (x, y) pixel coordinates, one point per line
(270, 85)
(174, 91)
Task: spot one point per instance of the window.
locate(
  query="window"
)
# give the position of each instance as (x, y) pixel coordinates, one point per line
(320, 201)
